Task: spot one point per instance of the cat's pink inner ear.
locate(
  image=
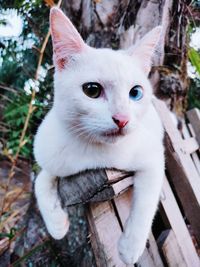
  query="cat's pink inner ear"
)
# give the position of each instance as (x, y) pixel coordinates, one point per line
(145, 49)
(66, 39)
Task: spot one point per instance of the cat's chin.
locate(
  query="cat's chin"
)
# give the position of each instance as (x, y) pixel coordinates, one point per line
(113, 136)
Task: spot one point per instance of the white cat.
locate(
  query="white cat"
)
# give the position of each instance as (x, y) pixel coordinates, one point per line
(102, 117)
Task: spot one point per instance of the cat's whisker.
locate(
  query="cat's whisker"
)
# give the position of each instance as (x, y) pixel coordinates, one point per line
(82, 131)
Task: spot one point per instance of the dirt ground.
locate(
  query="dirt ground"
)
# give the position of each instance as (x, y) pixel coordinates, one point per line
(24, 240)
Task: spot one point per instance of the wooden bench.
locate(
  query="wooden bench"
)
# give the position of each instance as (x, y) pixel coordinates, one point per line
(109, 192)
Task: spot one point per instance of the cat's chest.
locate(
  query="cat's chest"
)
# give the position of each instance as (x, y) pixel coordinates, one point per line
(120, 157)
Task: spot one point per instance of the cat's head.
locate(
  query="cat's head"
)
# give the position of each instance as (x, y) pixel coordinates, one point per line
(101, 95)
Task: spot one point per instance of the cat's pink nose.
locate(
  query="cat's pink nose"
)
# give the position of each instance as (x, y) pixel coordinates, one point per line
(120, 120)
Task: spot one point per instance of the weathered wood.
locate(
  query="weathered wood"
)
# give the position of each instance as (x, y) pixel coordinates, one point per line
(122, 185)
(150, 257)
(183, 188)
(194, 118)
(95, 242)
(93, 185)
(190, 145)
(152, 248)
(108, 230)
(187, 132)
(181, 169)
(170, 249)
(146, 260)
(179, 227)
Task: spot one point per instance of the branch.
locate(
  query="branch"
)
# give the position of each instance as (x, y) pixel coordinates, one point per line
(93, 185)
(24, 130)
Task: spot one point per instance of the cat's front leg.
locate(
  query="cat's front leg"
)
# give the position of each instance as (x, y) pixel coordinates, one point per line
(147, 188)
(55, 218)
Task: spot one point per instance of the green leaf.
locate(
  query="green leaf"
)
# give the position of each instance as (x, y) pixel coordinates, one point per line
(194, 57)
(9, 235)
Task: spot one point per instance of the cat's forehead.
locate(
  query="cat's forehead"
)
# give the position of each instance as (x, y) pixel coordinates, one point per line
(109, 65)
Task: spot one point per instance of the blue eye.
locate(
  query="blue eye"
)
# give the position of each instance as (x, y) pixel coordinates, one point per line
(136, 93)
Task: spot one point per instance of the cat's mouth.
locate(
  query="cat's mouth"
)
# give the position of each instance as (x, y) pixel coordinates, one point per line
(114, 133)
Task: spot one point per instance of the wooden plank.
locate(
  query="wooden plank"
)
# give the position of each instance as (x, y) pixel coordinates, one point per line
(123, 205)
(168, 123)
(187, 132)
(183, 174)
(146, 260)
(108, 230)
(183, 189)
(177, 144)
(150, 257)
(190, 145)
(97, 247)
(190, 129)
(171, 250)
(122, 186)
(179, 227)
(154, 252)
(194, 118)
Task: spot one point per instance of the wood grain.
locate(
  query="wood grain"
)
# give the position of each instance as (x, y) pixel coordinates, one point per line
(179, 227)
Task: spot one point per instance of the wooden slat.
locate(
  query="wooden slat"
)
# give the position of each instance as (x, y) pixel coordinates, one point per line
(123, 205)
(108, 230)
(182, 186)
(177, 144)
(194, 118)
(153, 251)
(190, 145)
(146, 260)
(178, 226)
(187, 133)
(122, 186)
(150, 257)
(97, 247)
(183, 173)
(170, 249)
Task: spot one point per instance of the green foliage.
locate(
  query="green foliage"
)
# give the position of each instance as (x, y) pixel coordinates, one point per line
(15, 114)
(194, 89)
(194, 94)
(194, 57)
(10, 235)
(18, 62)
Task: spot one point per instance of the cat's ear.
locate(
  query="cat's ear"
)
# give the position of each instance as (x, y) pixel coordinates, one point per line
(146, 48)
(66, 39)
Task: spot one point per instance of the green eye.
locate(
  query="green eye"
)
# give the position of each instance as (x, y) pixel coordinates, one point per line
(92, 89)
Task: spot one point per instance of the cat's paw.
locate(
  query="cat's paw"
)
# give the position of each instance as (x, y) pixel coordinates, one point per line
(130, 249)
(58, 224)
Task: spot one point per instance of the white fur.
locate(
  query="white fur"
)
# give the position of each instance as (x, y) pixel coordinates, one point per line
(70, 140)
